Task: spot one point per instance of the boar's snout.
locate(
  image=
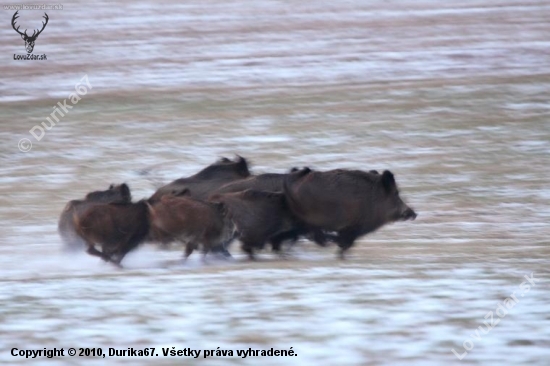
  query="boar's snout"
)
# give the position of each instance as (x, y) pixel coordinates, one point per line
(408, 214)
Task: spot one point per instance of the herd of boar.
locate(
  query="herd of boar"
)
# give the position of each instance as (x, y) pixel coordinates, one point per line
(224, 202)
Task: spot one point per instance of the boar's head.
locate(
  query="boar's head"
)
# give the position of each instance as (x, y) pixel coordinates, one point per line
(393, 206)
(118, 193)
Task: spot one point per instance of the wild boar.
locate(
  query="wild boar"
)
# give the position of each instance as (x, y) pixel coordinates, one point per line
(202, 184)
(117, 228)
(190, 221)
(259, 217)
(351, 203)
(119, 193)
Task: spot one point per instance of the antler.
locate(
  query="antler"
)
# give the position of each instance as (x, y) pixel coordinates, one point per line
(15, 16)
(34, 35)
(43, 25)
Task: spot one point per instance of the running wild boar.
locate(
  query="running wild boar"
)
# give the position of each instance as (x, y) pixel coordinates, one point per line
(193, 222)
(351, 203)
(67, 232)
(259, 217)
(116, 228)
(205, 182)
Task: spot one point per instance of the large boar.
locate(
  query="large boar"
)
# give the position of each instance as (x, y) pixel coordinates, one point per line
(351, 203)
(66, 228)
(202, 184)
(190, 221)
(259, 217)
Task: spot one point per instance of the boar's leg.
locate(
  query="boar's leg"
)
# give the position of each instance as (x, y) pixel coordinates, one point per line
(189, 248)
(205, 248)
(248, 248)
(319, 236)
(93, 251)
(117, 258)
(115, 255)
(277, 240)
(221, 250)
(228, 242)
(276, 244)
(345, 239)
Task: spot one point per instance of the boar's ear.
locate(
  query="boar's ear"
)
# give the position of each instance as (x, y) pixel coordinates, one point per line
(305, 171)
(374, 172)
(294, 170)
(125, 192)
(242, 166)
(242, 160)
(111, 186)
(388, 181)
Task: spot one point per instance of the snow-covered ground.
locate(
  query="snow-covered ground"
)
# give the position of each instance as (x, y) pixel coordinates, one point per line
(453, 97)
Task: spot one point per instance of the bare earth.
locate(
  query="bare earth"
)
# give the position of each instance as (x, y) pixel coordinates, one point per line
(453, 97)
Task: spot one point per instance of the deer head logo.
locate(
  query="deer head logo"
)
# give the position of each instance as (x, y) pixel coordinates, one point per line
(29, 40)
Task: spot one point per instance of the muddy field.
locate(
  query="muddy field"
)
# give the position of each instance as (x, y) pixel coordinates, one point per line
(453, 97)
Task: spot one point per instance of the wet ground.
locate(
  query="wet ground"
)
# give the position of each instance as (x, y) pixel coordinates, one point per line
(453, 98)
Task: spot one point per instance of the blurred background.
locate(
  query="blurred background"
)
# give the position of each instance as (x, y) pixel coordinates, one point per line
(453, 97)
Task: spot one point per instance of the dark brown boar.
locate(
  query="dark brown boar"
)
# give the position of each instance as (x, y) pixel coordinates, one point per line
(259, 217)
(351, 203)
(119, 193)
(273, 182)
(117, 228)
(202, 184)
(190, 221)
